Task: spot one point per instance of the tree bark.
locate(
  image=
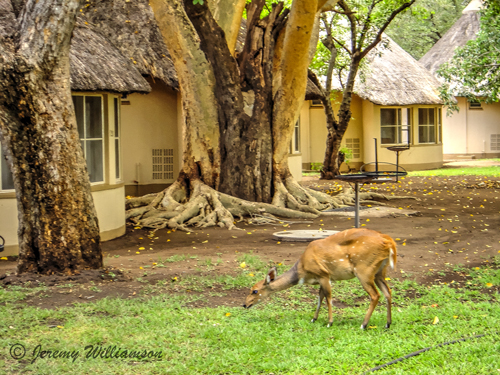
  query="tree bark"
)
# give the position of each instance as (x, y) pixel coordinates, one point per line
(58, 227)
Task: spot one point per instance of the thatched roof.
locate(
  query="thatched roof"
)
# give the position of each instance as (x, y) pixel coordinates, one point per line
(130, 27)
(97, 65)
(115, 44)
(465, 29)
(394, 77)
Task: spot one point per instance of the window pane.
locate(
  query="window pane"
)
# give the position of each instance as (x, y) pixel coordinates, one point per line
(431, 134)
(7, 179)
(431, 116)
(297, 137)
(117, 118)
(117, 158)
(422, 134)
(94, 156)
(388, 116)
(388, 134)
(78, 103)
(93, 117)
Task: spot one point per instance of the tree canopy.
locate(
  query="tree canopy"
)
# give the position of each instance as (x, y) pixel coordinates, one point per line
(417, 30)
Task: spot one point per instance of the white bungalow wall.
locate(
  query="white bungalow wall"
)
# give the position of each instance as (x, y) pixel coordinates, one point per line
(365, 126)
(150, 122)
(108, 195)
(314, 141)
(468, 133)
(418, 157)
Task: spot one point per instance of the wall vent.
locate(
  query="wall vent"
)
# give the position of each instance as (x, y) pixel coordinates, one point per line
(354, 145)
(495, 142)
(163, 164)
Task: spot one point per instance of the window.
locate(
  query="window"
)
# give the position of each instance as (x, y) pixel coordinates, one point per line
(494, 142)
(295, 143)
(116, 136)
(296, 136)
(316, 103)
(6, 182)
(426, 125)
(89, 118)
(395, 124)
(440, 126)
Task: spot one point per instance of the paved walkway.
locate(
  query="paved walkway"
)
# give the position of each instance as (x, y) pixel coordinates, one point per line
(473, 163)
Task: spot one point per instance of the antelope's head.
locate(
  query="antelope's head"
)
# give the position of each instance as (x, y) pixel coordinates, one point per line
(261, 290)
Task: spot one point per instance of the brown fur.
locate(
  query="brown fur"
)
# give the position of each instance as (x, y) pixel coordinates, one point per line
(361, 253)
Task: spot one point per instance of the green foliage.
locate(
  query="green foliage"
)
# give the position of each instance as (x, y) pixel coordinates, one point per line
(316, 166)
(474, 71)
(418, 29)
(347, 154)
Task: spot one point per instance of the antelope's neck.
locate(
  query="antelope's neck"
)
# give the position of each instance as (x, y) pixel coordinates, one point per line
(286, 280)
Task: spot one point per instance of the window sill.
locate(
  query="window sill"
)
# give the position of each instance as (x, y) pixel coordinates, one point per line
(9, 194)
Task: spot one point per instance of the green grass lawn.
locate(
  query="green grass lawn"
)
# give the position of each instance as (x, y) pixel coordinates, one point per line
(468, 171)
(276, 337)
(493, 171)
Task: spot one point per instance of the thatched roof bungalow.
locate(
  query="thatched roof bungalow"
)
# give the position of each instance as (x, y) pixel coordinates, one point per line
(117, 56)
(473, 132)
(465, 29)
(396, 102)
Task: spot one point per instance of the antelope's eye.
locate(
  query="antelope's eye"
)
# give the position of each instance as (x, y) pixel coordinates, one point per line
(255, 292)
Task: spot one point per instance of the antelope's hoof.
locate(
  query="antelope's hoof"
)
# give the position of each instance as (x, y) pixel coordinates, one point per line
(313, 320)
(329, 325)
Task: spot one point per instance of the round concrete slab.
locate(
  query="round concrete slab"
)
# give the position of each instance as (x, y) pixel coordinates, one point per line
(303, 235)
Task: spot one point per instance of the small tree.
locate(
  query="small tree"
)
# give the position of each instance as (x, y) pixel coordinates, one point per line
(58, 229)
(351, 32)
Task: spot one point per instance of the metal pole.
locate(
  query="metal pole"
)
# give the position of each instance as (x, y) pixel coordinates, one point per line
(356, 204)
(376, 156)
(397, 165)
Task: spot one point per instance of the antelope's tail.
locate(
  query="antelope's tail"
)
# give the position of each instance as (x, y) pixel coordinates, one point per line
(392, 251)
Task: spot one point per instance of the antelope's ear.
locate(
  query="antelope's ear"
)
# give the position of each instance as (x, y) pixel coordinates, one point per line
(271, 275)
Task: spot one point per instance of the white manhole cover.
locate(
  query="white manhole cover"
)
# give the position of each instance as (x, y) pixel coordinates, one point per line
(303, 235)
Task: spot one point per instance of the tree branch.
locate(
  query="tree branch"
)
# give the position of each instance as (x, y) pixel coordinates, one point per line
(378, 37)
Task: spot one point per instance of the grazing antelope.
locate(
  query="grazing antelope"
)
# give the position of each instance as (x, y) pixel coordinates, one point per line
(360, 253)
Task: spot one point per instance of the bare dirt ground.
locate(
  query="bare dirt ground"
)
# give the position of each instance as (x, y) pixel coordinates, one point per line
(457, 223)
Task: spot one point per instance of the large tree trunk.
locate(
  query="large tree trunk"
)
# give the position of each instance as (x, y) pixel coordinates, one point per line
(58, 228)
(255, 113)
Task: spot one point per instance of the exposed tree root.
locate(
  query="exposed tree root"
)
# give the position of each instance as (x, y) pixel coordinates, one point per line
(207, 207)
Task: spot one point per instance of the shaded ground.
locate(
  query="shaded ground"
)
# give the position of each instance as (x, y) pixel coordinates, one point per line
(457, 223)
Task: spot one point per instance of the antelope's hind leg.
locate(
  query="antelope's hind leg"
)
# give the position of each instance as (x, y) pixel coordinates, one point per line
(382, 285)
(320, 300)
